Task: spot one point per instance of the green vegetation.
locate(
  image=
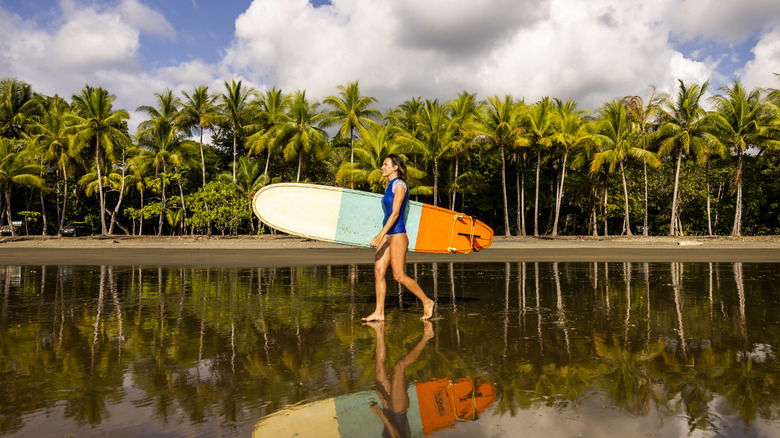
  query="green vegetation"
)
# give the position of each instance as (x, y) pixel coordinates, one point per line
(600, 171)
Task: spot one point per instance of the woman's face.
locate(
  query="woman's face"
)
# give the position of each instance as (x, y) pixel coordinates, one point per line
(388, 168)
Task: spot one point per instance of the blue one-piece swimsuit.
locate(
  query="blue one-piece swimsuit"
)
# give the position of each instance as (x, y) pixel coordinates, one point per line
(387, 205)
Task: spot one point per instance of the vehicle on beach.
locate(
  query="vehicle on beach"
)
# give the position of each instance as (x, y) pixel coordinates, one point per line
(6, 229)
(76, 229)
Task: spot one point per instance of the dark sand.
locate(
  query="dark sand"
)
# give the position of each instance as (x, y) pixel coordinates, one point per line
(270, 251)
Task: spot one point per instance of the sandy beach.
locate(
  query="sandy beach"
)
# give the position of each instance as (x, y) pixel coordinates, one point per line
(282, 250)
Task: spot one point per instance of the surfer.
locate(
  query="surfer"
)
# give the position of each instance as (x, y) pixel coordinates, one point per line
(392, 242)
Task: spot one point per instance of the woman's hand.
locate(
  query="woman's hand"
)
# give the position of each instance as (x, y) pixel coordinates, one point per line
(376, 240)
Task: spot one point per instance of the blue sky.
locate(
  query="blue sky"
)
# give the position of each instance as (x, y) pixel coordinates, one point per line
(591, 51)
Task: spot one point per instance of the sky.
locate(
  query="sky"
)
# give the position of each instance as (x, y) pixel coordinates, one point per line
(591, 51)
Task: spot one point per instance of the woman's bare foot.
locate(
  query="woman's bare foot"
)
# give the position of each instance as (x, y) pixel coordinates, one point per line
(376, 316)
(428, 309)
(427, 330)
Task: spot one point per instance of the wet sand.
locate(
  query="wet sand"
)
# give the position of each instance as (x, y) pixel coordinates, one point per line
(269, 251)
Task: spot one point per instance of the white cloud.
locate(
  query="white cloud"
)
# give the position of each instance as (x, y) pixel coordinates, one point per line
(761, 71)
(592, 51)
(722, 20)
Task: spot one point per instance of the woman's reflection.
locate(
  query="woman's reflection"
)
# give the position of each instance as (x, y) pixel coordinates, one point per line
(392, 389)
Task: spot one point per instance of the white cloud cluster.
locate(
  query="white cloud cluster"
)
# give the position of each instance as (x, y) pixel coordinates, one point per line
(93, 44)
(591, 51)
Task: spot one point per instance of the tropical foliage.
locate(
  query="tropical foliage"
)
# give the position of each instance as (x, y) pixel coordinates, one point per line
(659, 163)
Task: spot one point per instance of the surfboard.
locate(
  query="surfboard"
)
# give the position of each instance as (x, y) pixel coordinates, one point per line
(434, 405)
(353, 217)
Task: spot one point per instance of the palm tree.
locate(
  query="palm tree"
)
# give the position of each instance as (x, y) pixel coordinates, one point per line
(432, 138)
(539, 125)
(17, 168)
(683, 131)
(235, 109)
(500, 127)
(302, 133)
(269, 112)
(161, 148)
(615, 137)
(642, 117)
(351, 111)
(51, 134)
(741, 121)
(464, 121)
(249, 178)
(569, 133)
(98, 128)
(16, 107)
(200, 112)
(374, 145)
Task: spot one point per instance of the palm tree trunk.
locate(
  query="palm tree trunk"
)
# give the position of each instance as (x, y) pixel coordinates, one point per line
(536, 202)
(520, 197)
(64, 200)
(118, 204)
(267, 160)
(183, 208)
(455, 185)
(559, 197)
(503, 189)
(98, 164)
(737, 229)
(8, 208)
(202, 157)
(234, 154)
(709, 208)
(606, 230)
(595, 213)
(435, 182)
(162, 210)
(644, 169)
(626, 218)
(300, 163)
(674, 195)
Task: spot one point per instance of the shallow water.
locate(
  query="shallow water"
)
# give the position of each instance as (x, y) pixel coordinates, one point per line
(552, 349)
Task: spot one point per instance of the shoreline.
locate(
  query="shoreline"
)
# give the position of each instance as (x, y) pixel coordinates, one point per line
(284, 250)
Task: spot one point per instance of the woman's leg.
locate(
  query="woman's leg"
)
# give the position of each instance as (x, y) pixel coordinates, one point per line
(398, 248)
(381, 260)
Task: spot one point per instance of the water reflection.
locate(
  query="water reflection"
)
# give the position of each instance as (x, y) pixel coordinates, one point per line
(402, 409)
(595, 348)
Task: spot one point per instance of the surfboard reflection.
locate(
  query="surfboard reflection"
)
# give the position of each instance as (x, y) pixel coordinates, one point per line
(395, 409)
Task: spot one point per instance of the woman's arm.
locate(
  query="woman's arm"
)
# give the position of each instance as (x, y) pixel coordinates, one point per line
(399, 194)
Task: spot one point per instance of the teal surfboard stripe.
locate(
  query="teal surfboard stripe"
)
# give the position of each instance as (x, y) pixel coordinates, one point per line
(360, 218)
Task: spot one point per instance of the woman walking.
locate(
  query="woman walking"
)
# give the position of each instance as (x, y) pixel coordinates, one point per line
(392, 242)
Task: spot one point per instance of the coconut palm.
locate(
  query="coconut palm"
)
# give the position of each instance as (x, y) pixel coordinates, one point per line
(683, 131)
(113, 179)
(615, 137)
(433, 137)
(302, 132)
(50, 133)
(198, 112)
(464, 121)
(538, 124)
(351, 111)
(17, 106)
(570, 133)
(500, 128)
(373, 146)
(162, 148)
(98, 128)
(235, 110)
(643, 117)
(741, 121)
(406, 116)
(17, 168)
(269, 112)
